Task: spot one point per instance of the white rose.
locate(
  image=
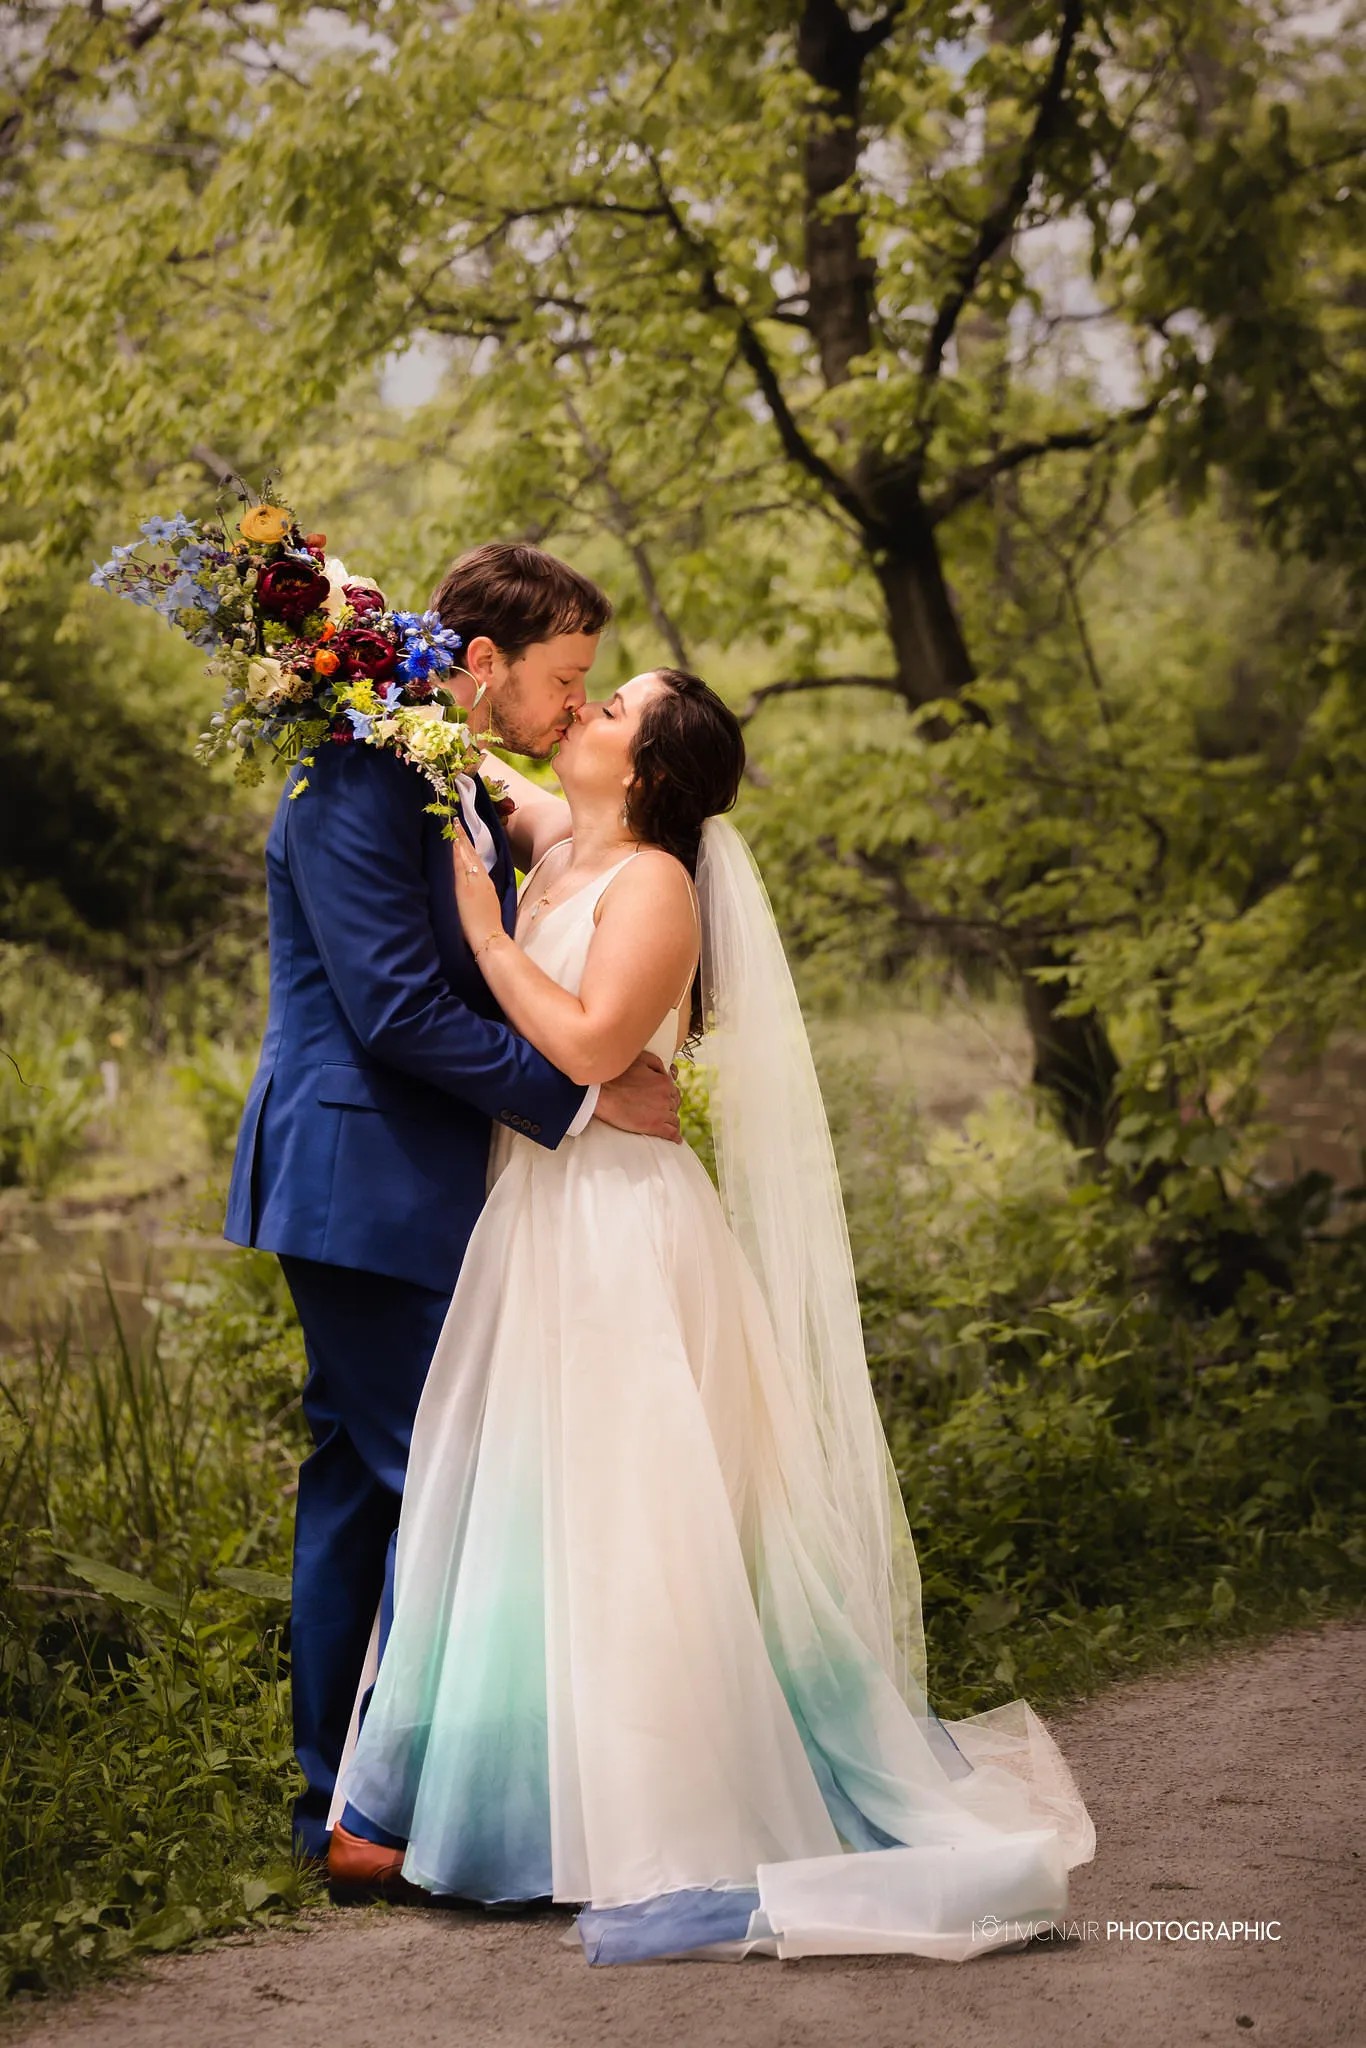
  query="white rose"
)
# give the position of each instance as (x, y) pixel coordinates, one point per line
(335, 571)
(267, 683)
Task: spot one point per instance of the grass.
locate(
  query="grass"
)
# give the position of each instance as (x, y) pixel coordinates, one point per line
(145, 1753)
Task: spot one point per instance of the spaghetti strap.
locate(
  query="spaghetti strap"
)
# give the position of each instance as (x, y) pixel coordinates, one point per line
(608, 878)
(536, 864)
(693, 970)
(611, 876)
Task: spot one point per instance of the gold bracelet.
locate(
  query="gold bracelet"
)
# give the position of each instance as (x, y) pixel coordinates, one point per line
(499, 934)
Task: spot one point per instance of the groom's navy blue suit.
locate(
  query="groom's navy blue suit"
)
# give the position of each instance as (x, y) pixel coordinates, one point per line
(361, 1161)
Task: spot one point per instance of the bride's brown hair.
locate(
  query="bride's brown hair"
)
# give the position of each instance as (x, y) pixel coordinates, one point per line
(688, 758)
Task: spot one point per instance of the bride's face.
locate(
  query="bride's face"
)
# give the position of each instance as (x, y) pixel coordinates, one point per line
(597, 753)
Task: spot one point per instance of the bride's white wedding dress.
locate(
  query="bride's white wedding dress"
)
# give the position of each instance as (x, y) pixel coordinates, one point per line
(631, 1665)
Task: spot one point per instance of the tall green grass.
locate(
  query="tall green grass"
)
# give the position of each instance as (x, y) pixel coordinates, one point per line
(145, 1753)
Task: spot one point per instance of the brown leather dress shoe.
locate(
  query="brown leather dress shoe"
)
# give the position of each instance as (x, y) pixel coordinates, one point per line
(359, 1872)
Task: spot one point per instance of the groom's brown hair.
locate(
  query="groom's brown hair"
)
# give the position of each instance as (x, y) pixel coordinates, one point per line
(515, 594)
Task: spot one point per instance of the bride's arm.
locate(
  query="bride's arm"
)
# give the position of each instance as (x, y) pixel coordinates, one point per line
(541, 818)
(642, 951)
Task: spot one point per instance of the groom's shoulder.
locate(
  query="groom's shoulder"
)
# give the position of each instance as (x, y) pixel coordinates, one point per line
(353, 794)
(354, 774)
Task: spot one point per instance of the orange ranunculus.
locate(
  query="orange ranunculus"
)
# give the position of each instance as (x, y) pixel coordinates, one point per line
(325, 662)
(329, 628)
(265, 524)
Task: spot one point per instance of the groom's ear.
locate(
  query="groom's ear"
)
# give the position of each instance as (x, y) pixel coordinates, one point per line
(480, 655)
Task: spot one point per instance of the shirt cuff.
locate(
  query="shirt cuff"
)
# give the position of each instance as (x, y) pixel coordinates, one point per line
(585, 1111)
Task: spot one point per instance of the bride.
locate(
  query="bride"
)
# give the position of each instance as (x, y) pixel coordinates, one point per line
(657, 1647)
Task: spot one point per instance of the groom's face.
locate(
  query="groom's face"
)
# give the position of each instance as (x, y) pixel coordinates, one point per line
(533, 698)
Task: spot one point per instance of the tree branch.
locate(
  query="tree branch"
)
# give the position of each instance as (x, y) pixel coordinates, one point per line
(971, 483)
(792, 686)
(1000, 220)
(760, 364)
(877, 32)
(622, 522)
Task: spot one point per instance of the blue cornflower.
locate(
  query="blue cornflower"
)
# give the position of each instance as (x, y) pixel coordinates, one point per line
(418, 663)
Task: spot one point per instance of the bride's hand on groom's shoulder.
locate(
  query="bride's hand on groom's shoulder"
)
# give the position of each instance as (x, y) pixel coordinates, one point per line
(644, 1100)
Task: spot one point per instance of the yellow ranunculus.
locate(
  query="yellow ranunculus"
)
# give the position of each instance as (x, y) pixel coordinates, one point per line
(265, 524)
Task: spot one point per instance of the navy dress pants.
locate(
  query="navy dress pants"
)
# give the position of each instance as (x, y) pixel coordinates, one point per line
(369, 1341)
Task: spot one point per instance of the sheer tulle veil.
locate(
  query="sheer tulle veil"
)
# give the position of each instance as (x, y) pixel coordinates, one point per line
(780, 1189)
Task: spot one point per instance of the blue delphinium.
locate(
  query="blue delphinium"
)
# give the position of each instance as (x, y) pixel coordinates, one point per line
(162, 531)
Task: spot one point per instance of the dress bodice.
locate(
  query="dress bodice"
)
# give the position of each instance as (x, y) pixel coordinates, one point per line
(558, 941)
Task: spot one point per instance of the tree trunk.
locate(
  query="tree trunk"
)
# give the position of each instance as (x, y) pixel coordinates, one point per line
(932, 658)
(1074, 1062)
(1073, 1059)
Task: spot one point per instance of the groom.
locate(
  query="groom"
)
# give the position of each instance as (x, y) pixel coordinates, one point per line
(362, 1154)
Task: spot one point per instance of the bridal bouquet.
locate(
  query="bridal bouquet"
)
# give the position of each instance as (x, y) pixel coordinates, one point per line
(309, 656)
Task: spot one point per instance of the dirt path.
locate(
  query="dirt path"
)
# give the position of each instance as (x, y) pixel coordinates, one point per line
(1231, 1791)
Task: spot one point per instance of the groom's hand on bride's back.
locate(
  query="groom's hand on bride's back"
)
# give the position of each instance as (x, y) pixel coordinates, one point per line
(643, 1100)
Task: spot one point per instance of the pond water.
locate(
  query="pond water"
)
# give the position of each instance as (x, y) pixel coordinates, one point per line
(57, 1260)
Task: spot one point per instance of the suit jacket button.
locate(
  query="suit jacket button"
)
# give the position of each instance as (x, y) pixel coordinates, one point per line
(535, 1130)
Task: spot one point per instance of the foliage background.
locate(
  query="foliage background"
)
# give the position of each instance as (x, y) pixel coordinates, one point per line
(975, 393)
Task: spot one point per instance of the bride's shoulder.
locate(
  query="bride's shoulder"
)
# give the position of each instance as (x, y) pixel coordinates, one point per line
(652, 881)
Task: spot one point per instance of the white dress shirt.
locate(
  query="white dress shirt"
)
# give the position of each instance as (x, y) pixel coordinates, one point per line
(486, 848)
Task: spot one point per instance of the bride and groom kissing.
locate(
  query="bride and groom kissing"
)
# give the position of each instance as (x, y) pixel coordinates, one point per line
(604, 1594)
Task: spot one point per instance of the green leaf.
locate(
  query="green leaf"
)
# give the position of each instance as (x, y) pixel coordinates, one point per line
(258, 1585)
(992, 1611)
(1222, 1600)
(123, 1587)
(171, 1928)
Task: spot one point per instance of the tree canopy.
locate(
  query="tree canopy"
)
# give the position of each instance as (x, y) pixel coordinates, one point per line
(858, 339)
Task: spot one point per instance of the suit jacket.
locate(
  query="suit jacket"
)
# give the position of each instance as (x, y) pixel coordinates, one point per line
(365, 1137)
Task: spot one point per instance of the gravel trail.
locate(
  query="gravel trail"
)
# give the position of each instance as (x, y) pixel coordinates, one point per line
(1232, 1790)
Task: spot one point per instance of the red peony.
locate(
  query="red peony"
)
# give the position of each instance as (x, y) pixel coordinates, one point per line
(364, 600)
(364, 653)
(290, 590)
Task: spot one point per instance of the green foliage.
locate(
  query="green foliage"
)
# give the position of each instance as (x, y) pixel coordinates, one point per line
(53, 1033)
(115, 849)
(1117, 1431)
(144, 1541)
(213, 1079)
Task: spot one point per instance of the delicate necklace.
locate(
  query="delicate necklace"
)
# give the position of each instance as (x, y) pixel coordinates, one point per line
(541, 901)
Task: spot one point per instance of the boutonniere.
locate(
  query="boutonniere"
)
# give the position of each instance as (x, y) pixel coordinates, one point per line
(309, 655)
